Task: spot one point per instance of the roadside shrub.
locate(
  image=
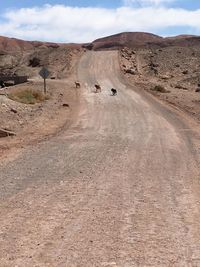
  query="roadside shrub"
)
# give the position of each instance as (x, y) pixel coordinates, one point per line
(28, 96)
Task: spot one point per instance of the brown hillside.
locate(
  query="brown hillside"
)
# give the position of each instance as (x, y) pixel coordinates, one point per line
(130, 39)
(27, 57)
(13, 45)
(142, 40)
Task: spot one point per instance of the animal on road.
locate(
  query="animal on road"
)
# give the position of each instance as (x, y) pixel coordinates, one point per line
(114, 91)
(77, 84)
(98, 88)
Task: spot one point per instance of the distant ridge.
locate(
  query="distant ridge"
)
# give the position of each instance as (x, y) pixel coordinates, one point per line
(141, 39)
(16, 45)
(116, 41)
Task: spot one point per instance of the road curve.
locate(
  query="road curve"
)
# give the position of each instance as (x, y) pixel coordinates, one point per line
(119, 188)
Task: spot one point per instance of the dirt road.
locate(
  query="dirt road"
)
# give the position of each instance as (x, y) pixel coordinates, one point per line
(119, 188)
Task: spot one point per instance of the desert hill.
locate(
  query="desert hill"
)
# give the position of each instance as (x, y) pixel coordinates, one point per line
(141, 40)
(130, 39)
(27, 57)
(13, 44)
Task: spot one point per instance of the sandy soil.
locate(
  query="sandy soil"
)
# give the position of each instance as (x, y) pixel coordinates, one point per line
(120, 187)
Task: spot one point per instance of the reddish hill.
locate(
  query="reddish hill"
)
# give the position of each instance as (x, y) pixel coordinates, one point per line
(182, 41)
(16, 45)
(125, 39)
(12, 44)
(141, 39)
(181, 36)
(116, 41)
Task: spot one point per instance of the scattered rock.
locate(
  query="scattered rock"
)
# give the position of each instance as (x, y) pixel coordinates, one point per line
(13, 110)
(130, 71)
(153, 65)
(65, 105)
(4, 105)
(165, 77)
(6, 133)
(34, 62)
(160, 89)
(21, 122)
(9, 83)
(185, 72)
(197, 90)
(178, 86)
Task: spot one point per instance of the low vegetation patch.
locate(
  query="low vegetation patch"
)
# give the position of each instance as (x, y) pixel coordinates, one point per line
(28, 96)
(160, 89)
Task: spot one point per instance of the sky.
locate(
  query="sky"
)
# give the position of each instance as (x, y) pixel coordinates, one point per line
(83, 21)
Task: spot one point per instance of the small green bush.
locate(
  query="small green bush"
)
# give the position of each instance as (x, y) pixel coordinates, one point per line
(28, 96)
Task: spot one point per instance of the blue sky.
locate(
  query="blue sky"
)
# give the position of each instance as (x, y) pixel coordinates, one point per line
(84, 20)
(187, 4)
(79, 3)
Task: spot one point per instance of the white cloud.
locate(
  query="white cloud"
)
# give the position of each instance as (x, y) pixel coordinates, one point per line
(147, 2)
(73, 24)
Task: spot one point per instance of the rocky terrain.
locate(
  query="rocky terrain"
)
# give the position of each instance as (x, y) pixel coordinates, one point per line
(26, 58)
(172, 73)
(34, 122)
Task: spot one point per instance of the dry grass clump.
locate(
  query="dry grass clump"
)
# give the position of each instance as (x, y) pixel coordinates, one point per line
(28, 96)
